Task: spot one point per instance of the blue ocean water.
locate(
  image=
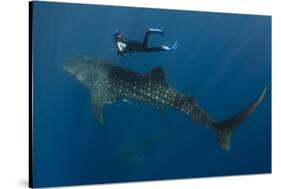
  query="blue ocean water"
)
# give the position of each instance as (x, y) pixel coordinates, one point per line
(223, 60)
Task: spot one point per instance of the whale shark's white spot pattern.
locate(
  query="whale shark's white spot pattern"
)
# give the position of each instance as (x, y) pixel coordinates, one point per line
(113, 82)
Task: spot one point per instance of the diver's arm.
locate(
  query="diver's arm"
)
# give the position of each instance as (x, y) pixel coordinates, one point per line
(120, 53)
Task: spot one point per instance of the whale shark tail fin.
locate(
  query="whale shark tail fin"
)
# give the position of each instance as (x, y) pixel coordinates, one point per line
(224, 129)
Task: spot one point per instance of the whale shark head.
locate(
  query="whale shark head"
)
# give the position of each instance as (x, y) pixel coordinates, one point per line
(78, 65)
(84, 69)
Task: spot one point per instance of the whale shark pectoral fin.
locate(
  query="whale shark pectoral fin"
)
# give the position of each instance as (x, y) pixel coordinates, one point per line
(162, 110)
(98, 104)
(191, 99)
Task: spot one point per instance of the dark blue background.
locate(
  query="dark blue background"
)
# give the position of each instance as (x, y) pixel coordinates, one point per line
(224, 60)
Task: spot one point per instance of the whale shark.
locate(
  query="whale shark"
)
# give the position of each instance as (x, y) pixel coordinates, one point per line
(108, 83)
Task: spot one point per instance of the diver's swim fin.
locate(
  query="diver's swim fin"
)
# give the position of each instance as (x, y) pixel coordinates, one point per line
(154, 30)
(166, 48)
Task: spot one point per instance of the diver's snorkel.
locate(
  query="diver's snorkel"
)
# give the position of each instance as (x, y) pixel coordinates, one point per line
(120, 42)
(117, 36)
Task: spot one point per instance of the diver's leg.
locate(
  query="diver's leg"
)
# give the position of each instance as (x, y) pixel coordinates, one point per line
(163, 48)
(153, 49)
(148, 32)
(145, 40)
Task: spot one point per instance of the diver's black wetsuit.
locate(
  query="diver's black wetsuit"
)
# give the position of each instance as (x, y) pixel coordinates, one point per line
(124, 45)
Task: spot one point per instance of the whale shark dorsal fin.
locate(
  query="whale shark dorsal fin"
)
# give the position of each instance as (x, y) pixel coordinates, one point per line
(157, 74)
(98, 104)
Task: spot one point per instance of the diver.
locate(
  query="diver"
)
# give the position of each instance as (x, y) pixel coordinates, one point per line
(123, 45)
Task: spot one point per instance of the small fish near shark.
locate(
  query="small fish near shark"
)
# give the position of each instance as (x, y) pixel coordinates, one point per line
(108, 82)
